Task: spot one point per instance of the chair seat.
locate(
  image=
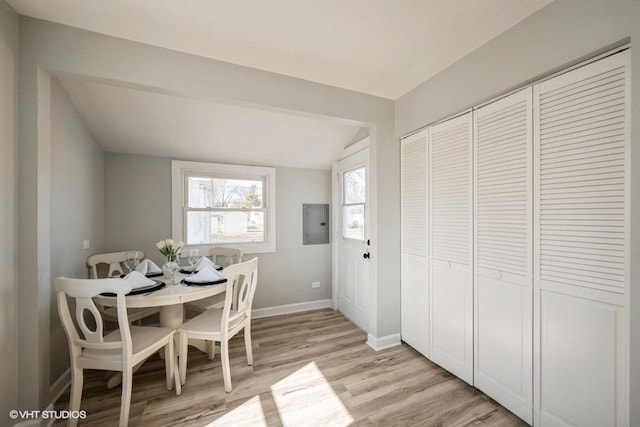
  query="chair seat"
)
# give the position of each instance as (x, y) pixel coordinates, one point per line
(134, 314)
(208, 323)
(142, 338)
(216, 301)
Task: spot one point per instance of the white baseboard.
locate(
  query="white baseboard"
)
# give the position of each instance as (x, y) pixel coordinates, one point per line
(60, 386)
(56, 390)
(290, 308)
(29, 423)
(383, 343)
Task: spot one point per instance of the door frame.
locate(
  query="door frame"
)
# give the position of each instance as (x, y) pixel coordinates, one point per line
(336, 225)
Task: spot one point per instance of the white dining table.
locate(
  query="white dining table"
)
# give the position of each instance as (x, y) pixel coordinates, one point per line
(170, 300)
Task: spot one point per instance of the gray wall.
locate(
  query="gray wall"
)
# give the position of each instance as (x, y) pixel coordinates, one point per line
(557, 35)
(77, 208)
(8, 209)
(138, 214)
(47, 48)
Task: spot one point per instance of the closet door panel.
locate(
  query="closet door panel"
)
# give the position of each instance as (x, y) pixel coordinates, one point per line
(503, 285)
(451, 239)
(452, 338)
(581, 124)
(578, 357)
(415, 303)
(415, 279)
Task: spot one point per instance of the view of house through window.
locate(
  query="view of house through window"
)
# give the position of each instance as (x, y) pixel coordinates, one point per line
(353, 204)
(223, 210)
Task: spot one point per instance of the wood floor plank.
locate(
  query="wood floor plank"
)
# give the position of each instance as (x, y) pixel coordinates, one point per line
(310, 369)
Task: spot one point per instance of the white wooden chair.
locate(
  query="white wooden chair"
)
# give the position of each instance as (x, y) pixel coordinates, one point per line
(223, 257)
(114, 262)
(119, 350)
(222, 324)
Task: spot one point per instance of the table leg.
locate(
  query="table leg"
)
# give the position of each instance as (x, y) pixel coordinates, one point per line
(171, 316)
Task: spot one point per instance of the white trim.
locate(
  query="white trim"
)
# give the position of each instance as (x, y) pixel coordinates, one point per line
(384, 342)
(56, 390)
(29, 423)
(49, 422)
(60, 386)
(354, 148)
(335, 232)
(180, 168)
(290, 308)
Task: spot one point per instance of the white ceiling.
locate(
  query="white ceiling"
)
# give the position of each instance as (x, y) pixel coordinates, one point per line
(379, 47)
(134, 121)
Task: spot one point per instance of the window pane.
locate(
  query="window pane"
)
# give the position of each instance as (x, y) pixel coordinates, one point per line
(354, 186)
(353, 222)
(207, 192)
(225, 227)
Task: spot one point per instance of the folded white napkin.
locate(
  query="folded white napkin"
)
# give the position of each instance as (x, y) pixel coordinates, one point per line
(207, 274)
(138, 280)
(205, 262)
(148, 267)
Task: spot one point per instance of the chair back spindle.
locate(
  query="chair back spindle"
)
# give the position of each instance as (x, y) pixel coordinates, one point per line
(241, 282)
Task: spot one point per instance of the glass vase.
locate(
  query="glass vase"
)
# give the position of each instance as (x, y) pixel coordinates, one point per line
(170, 268)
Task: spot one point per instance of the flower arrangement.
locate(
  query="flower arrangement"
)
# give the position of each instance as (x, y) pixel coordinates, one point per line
(170, 248)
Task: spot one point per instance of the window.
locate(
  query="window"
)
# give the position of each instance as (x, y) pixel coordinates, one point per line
(227, 205)
(353, 204)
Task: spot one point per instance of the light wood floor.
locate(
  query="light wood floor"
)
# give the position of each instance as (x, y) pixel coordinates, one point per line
(311, 369)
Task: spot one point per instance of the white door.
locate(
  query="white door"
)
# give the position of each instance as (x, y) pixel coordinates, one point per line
(352, 255)
(581, 251)
(451, 204)
(504, 252)
(414, 242)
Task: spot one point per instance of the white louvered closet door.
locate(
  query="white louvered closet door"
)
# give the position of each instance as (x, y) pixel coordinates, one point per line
(451, 224)
(415, 279)
(581, 251)
(503, 285)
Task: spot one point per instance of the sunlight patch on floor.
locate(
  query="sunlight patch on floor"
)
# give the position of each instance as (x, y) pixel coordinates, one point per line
(305, 398)
(250, 413)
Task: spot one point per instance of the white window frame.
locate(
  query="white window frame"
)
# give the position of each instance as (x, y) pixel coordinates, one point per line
(181, 169)
(345, 204)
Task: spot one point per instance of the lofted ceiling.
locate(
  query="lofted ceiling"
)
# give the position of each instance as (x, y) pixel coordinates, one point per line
(379, 47)
(136, 121)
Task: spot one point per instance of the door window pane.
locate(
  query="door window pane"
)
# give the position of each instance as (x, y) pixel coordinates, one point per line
(353, 222)
(354, 186)
(225, 227)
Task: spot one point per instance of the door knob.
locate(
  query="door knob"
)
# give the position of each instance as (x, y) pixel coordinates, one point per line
(367, 255)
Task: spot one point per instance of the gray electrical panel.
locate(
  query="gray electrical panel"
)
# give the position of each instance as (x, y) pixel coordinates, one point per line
(315, 224)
